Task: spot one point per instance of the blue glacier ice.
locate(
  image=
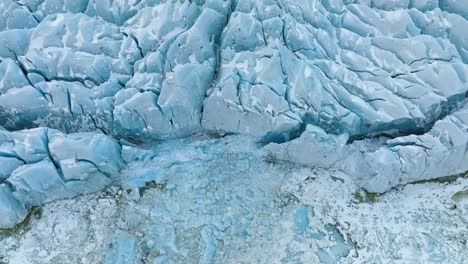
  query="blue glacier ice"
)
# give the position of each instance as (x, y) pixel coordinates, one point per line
(42, 165)
(375, 88)
(209, 200)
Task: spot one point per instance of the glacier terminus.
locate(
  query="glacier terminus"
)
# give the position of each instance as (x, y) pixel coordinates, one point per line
(233, 131)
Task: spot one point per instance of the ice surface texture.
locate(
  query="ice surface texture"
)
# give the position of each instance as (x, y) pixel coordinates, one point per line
(374, 87)
(41, 165)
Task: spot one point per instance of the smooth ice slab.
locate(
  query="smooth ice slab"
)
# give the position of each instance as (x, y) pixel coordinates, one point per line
(11, 210)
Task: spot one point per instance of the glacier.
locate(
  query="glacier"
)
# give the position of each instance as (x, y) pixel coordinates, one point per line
(41, 165)
(99, 94)
(217, 200)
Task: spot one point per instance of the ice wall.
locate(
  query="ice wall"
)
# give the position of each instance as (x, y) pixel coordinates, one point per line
(376, 88)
